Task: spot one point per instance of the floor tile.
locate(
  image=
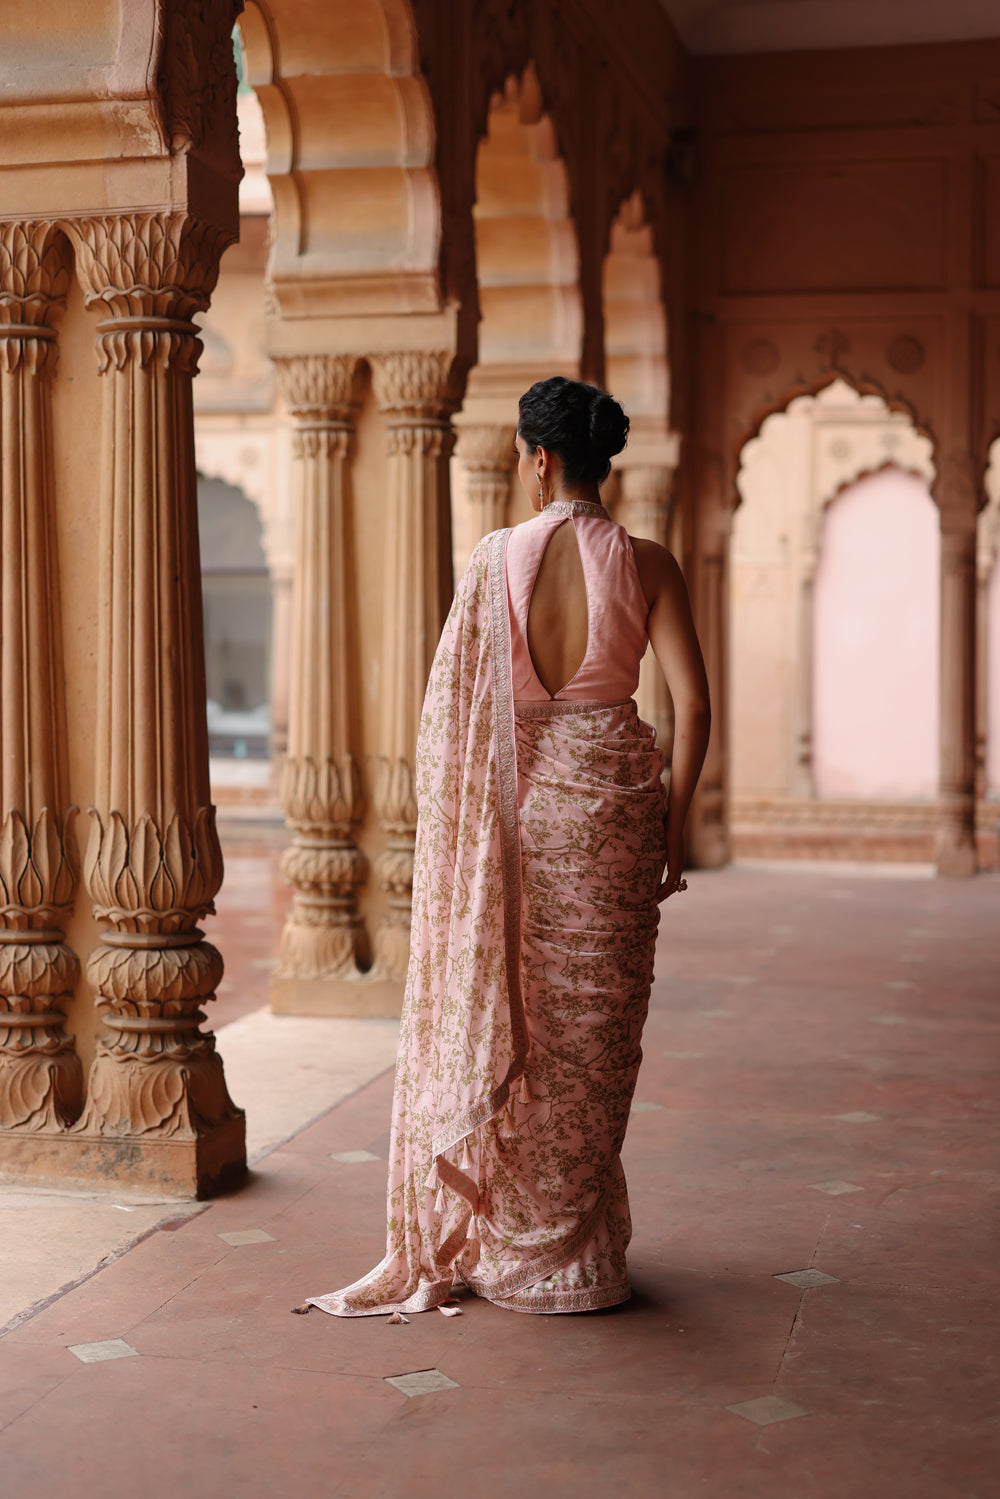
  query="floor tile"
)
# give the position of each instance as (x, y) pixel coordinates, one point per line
(766, 1410)
(808, 1280)
(422, 1382)
(835, 1188)
(240, 1236)
(100, 1353)
(353, 1157)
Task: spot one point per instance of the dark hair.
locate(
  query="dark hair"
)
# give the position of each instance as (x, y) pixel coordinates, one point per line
(584, 425)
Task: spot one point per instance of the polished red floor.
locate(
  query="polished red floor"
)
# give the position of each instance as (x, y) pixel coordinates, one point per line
(819, 1094)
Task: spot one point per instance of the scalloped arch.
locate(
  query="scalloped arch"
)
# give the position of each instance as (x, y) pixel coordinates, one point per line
(350, 156)
(527, 254)
(635, 320)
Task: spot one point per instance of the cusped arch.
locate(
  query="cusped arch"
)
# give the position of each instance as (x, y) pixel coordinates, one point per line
(527, 256)
(636, 366)
(767, 366)
(350, 152)
(833, 385)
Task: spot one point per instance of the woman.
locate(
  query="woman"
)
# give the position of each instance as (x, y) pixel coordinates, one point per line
(540, 851)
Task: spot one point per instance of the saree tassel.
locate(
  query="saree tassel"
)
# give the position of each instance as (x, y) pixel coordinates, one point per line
(439, 1200)
(433, 1180)
(526, 1094)
(506, 1129)
(466, 1161)
(473, 1243)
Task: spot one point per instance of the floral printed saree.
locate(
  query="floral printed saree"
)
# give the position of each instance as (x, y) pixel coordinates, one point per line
(539, 850)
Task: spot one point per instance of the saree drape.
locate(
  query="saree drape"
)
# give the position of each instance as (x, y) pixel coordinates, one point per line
(540, 846)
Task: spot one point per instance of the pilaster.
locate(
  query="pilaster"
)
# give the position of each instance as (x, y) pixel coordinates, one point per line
(320, 786)
(413, 390)
(708, 824)
(156, 1093)
(40, 1073)
(956, 837)
(488, 456)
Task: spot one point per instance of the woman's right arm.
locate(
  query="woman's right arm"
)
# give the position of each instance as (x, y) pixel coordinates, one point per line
(675, 645)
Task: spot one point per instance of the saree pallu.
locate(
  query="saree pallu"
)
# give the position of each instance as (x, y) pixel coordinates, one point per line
(540, 847)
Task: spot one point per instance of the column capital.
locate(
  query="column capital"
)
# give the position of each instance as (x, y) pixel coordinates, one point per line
(317, 387)
(414, 383)
(149, 273)
(487, 448)
(34, 278)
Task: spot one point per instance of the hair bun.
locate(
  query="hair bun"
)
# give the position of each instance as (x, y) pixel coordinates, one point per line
(608, 425)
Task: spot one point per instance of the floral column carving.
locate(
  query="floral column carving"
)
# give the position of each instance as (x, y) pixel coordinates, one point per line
(153, 863)
(644, 508)
(956, 837)
(413, 390)
(40, 1074)
(488, 457)
(320, 786)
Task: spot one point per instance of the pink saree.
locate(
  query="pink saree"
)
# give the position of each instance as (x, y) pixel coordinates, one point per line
(539, 850)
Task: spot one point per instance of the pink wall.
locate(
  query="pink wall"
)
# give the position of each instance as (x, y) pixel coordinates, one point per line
(877, 640)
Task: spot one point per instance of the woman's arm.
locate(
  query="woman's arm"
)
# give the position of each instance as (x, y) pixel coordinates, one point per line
(675, 645)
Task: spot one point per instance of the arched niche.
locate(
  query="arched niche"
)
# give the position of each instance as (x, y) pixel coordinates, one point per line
(236, 592)
(877, 642)
(531, 317)
(796, 466)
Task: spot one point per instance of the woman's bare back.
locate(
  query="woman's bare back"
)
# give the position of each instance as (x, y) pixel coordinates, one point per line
(558, 616)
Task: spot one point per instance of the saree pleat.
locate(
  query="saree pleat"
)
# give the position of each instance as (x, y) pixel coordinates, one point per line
(540, 847)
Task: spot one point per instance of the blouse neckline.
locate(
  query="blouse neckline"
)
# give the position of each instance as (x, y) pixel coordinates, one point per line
(575, 507)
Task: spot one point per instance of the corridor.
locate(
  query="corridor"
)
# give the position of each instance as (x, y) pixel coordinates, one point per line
(812, 1163)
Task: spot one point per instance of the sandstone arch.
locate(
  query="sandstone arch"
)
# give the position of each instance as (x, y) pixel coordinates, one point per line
(350, 151)
(531, 314)
(636, 372)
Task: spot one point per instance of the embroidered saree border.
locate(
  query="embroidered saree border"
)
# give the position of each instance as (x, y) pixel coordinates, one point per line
(506, 753)
(561, 707)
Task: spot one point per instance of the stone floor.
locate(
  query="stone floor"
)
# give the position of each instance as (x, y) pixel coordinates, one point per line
(814, 1178)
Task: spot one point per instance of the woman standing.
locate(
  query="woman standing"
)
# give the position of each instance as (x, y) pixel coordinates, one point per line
(539, 867)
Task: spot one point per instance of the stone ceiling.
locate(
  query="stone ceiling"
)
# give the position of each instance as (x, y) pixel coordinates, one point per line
(710, 26)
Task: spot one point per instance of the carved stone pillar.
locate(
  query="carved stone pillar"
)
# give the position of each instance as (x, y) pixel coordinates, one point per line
(153, 862)
(987, 539)
(320, 788)
(708, 825)
(956, 837)
(413, 390)
(645, 503)
(40, 1074)
(488, 456)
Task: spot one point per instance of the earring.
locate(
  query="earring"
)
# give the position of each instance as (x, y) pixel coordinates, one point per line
(540, 495)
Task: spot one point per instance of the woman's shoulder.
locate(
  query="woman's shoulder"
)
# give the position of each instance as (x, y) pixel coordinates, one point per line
(658, 568)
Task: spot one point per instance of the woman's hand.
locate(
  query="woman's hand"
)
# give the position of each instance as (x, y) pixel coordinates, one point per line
(676, 862)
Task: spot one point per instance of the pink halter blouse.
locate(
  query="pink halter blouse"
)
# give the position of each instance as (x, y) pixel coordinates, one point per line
(616, 605)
